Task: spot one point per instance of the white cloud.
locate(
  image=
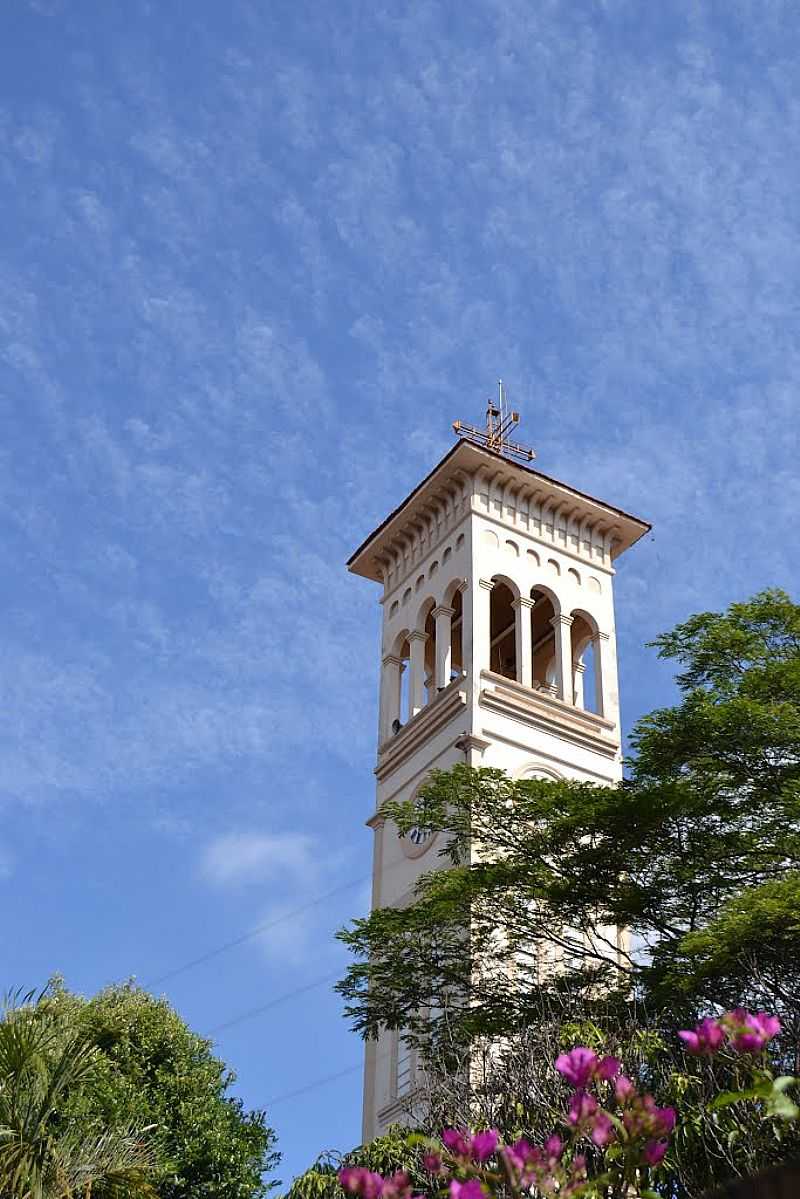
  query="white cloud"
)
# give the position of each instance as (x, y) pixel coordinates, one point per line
(225, 378)
(259, 858)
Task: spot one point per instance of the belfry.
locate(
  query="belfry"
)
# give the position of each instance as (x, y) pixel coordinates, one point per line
(498, 649)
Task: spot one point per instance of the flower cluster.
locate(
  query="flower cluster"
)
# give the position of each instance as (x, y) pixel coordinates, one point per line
(581, 1066)
(605, 1108)
(529, 1166)
(478, 1147)
(589, 1119)
(357, 1180)
(644, 1121)
(743, 1031)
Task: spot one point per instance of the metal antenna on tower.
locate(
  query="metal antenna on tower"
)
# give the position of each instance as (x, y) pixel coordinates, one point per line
(499, 423)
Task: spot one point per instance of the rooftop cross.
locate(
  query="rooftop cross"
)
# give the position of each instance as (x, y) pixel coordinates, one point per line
(499, 423)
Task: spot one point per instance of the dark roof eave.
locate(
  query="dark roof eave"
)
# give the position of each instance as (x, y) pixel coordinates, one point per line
(645, 525)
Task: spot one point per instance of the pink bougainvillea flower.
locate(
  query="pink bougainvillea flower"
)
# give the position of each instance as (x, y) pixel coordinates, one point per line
(749, 1033)
(602, 1129)
(522, 1158)
(706, 1038)
(518, 1153)
(483, 1144)
(554, 1147)
(360, 1181)
(397, 1187)
(608, 1068)
(456, 1141)
(770, 1025)
(654, 1152)
(588, 1117)
(581, 1065)
(466, 1190)
(432, 1162)
(532, 1167)
(577, 1066)
(643, 1118)
(582, 1108)
(624, 1089)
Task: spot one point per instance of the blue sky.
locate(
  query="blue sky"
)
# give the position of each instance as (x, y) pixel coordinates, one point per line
(254, 259)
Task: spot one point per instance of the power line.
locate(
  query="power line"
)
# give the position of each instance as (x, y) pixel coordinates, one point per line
(254, 932)
(262, 928)
(265, 1007)
(318, 1082)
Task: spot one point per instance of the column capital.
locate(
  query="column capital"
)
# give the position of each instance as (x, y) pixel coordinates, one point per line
(598, 636)
(442, 610)
(487, 584)
(579, 667)
(522, 603)
(561, 619)
(392, 660)
(418, 635)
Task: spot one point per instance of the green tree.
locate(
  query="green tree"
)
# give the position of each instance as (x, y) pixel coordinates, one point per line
(385, 1155)
(44, 1152)
(697, 854)
(151, 1069)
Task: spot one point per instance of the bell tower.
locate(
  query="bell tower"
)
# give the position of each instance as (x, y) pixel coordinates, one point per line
(498, 649)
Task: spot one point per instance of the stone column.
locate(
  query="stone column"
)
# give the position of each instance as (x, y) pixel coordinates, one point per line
(477, 650)
(389, 705)
(579, 669)
(524, 642)
(605, 677)
(443, 617)
(563, 639)
(416, 685)
(466, 625)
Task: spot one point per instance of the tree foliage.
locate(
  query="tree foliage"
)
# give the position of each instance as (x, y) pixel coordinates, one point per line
(697, 854)
(385, 1154)
(46, 1153)
(148, 1068)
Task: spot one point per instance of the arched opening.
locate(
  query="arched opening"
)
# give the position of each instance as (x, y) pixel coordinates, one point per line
(430, 655)
(543, 641)
(457, 636)
(584, 663)
(586, 680)
(404, 692)
(503, 638)
(395, 693)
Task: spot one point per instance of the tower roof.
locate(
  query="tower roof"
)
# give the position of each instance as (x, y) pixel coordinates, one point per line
(466, 458)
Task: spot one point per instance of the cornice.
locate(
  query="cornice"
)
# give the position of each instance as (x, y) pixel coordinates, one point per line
(396, 750)
(548, 713)
(442, 497)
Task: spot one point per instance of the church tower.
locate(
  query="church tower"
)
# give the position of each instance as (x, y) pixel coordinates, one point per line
(498, 649)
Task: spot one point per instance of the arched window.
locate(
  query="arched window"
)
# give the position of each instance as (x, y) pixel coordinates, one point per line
(457, 636)
(430, 655)
(543, 641)
(404, 700)
(584, 664)
(503, 637)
